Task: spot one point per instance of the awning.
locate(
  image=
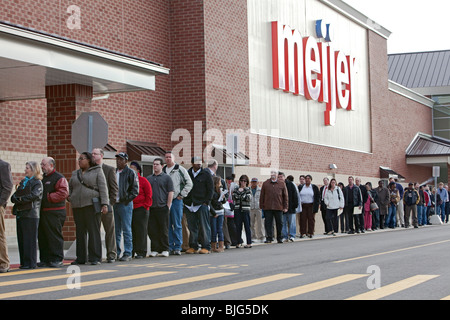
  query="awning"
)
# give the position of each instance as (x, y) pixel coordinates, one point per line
(428, 150)
(109, 152)
(30, 60)
(225, 157)
(144, 151)
(387, 173)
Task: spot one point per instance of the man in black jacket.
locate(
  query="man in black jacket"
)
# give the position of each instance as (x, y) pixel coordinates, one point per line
(289, 217)
(197, 208)
(353, 199)
(128, 183)
(364, 195)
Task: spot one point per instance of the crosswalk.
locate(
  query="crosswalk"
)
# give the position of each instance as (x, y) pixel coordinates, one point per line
(155, 285)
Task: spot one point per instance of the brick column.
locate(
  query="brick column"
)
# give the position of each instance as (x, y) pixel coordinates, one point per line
(64, 104)
(448, 173)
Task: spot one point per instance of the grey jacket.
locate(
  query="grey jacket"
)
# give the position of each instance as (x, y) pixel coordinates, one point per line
(182, 182)
(254, 204)
(81, 196)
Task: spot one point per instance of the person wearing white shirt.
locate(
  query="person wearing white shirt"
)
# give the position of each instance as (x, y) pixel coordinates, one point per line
(310, 199)
(334, 200)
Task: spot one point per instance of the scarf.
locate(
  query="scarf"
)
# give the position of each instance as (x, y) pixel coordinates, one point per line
(25, 181)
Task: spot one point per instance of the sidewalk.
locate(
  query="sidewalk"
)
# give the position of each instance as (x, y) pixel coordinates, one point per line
(69, 254)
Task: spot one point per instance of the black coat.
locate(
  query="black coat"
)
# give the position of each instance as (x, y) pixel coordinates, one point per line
(292, 196)
(27, 200)
(355, 192)
(202, 191)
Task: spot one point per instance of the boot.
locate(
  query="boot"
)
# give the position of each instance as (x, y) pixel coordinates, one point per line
(221, 248)
(214, 247)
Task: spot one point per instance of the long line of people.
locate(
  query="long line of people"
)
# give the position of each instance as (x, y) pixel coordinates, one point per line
(195, 210)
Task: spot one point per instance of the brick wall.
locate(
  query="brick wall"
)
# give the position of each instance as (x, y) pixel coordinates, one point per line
(187, 51)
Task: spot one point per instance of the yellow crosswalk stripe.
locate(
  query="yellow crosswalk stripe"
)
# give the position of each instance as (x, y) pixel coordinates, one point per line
(18, 272)
(39, 279)
(392, 251)
(392, 288)
(22, 293)
(231, 287)
(285, 294)
(113, 293)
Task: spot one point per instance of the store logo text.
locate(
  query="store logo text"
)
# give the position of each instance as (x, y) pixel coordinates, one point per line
(304, 66)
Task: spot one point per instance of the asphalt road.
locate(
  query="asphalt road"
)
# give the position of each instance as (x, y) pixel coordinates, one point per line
(403, 264)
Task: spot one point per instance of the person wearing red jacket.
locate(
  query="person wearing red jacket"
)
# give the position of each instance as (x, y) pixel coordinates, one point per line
(139, 222)
(427, 204)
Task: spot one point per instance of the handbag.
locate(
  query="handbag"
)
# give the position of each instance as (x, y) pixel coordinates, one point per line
(373, 206)
(95, 201)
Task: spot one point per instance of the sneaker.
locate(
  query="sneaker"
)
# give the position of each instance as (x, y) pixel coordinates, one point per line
(56, 264)
(163, 254)
(291, 239)
(42, 264)
(153, 254)
(176, 253)
(125, 258)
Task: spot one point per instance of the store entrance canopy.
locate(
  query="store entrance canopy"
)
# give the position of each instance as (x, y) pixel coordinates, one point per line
(387, 173)
(31, 60)
(428, 150)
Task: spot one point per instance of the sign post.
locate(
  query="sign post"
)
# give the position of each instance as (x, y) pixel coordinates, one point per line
(436, 174)
(89, 131)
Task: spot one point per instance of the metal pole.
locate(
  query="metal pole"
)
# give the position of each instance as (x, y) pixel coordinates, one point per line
(90, 130)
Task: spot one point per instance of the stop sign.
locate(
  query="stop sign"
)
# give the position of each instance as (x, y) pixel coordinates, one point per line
(89, 131)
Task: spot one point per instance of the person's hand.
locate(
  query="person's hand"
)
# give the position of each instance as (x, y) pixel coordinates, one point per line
(105, 209)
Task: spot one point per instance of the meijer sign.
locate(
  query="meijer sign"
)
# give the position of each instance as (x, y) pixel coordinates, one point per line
(316, 70)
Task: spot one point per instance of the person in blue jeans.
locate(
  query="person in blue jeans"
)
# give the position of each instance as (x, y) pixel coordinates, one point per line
(242, 197)
(440, 206)
(217, 202)
(128, 183)
(421, 205)
(447, 204)
(392, 210)
(196, 207)
(182, 184)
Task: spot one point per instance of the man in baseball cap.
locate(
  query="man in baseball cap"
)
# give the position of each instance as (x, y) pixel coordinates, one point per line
(122, 155)
(128, 184)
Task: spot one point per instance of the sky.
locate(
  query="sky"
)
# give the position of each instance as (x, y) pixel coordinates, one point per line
(416, 25)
